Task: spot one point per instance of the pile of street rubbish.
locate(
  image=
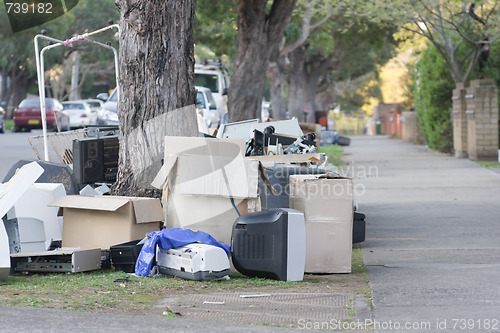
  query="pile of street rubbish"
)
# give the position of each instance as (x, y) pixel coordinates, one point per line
(259, 195)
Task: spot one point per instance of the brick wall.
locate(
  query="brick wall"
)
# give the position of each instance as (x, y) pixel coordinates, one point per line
(409, 128)
(459, 120)
(482, 120)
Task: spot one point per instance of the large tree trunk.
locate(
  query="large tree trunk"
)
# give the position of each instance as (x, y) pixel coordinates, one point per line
(20, 84)
(278, 103)
(259, 32)
(157, 95)
(297, 83)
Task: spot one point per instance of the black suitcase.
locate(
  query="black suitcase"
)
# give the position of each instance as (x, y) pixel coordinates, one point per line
(358, 228)
(124, 256)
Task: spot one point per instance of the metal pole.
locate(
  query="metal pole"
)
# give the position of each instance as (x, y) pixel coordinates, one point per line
(41, 76)
(41, 91)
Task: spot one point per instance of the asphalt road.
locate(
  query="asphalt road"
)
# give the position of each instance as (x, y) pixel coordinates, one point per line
(14, 147)
(433, 237)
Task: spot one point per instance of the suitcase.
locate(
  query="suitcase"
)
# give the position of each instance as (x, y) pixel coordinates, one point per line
(199, 262)
(358, 228)
(123, 256)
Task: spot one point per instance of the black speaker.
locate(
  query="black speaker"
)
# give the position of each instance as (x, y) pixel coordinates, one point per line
(88, 160)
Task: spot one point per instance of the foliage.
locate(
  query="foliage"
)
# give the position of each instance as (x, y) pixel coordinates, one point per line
(433, 100)
(215, 26)
(448, 24)
(17, 51)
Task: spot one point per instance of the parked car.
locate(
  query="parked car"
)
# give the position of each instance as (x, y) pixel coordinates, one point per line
(2, 120)
(95, 106)
(107, 115)
(216, 79)
(79, 113)
(206, 106)
(28, 115)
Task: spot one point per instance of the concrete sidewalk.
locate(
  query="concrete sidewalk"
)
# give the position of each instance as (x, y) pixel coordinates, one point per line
(433, 237)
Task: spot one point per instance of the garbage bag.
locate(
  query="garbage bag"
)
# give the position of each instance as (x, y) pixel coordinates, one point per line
(171, 239)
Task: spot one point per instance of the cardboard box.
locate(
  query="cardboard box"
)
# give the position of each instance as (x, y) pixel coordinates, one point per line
(214, 215)
(200, 177)
(230, 177)
(327, 204)
(103, 221)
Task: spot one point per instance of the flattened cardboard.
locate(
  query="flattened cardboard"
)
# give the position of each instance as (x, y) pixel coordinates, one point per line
(178, 145)
(211, 214)
(327, 204)
(175, 145)
(101, 222)
(202, 175)
(222, 176)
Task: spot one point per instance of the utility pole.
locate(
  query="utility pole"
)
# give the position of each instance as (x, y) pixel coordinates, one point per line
(73, 95)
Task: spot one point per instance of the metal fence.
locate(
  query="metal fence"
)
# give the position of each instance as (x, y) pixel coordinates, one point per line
(60, 145)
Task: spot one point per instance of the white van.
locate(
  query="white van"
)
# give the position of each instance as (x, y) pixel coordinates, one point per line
(207, 107)
(215, 79)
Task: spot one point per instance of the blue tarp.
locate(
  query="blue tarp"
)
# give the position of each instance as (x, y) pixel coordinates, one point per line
(171, 239)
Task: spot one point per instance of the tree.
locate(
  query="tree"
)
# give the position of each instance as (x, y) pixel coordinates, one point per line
(215, 26)
(156, 89)
(17, 56)
(307, 16)
(260, 29)
(341, 49)
(461, 30)
(17, 62)
(433, 100)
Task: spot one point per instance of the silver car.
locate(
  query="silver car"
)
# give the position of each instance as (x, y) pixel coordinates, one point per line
(107, 115)
(79, 113)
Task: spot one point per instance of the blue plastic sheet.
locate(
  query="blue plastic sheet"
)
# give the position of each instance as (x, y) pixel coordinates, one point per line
(171, 239)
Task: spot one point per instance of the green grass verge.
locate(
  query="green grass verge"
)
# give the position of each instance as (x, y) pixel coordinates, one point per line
(489, 164)
(98, 291)
(334, 154)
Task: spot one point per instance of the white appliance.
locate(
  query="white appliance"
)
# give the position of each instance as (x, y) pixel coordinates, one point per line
(33, 204)
(195, 261)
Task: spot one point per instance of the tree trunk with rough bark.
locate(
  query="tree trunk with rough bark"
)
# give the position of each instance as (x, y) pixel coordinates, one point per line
(297, 83)
(278, 102)
(156, 86)
(260, 30)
